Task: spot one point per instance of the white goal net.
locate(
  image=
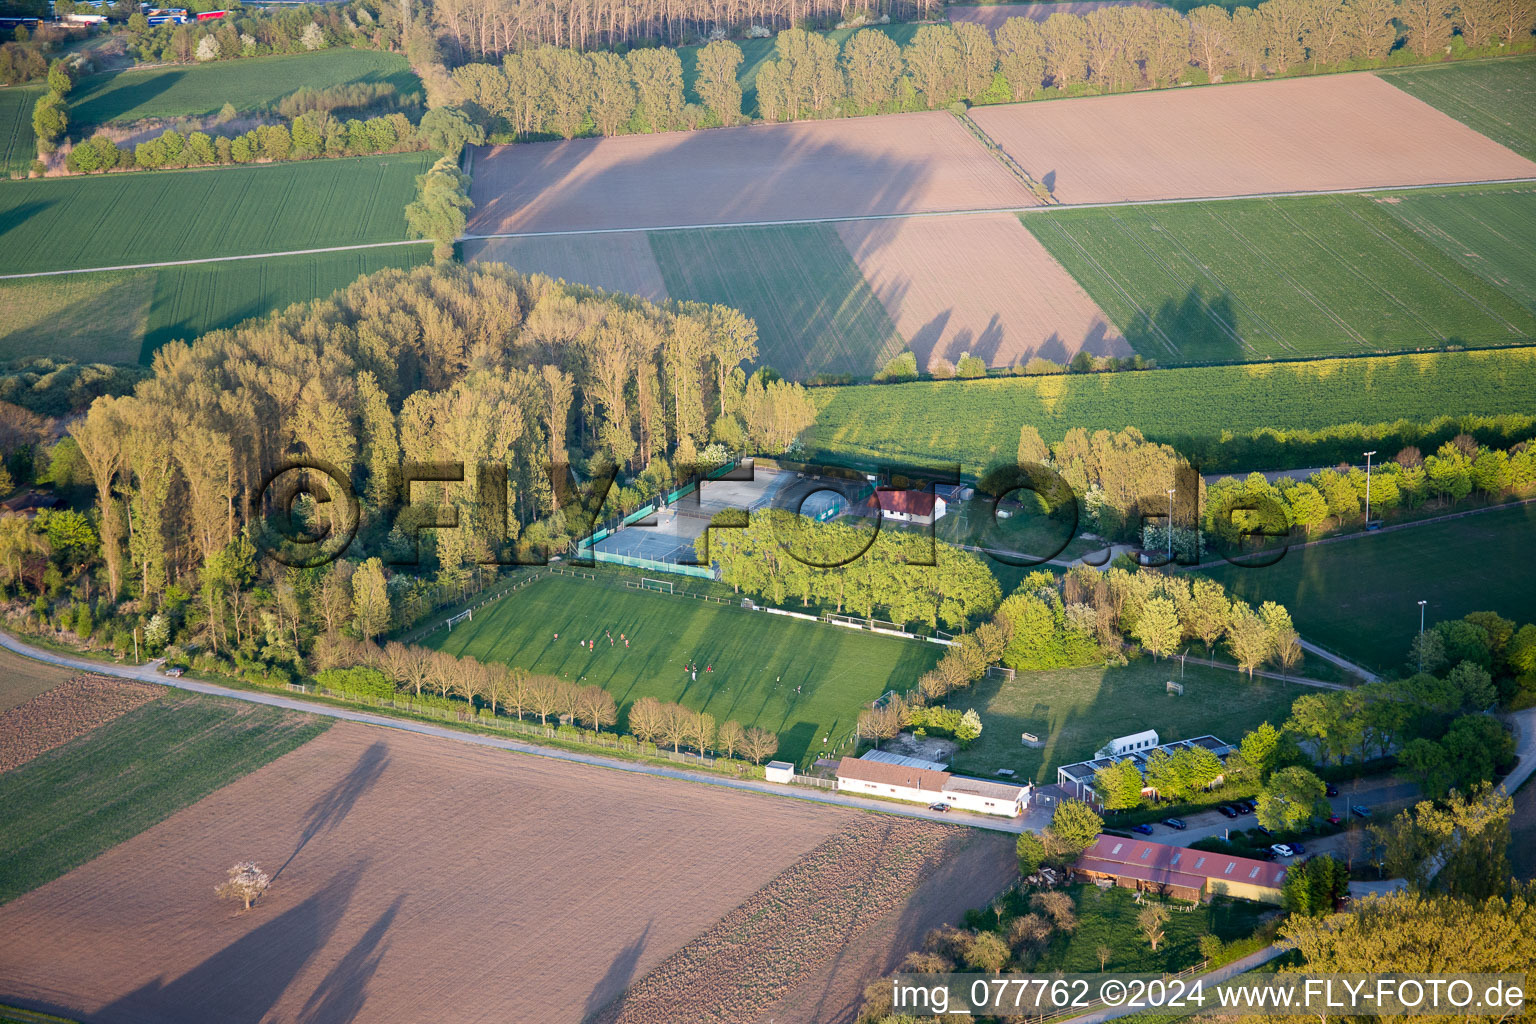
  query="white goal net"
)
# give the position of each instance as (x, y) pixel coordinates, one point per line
(663, 586)
(467, 615)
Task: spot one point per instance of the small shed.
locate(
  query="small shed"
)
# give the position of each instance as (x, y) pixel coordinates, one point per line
(779, 771)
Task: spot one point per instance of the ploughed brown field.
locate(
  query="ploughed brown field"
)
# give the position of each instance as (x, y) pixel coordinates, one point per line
(68, 710)
(414, 879)
(617, 262)
(992, 16)
(902, 163)
(977, 283)
(1293, 135)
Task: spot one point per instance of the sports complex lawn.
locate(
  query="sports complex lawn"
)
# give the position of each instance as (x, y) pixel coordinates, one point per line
(1278, 279)
(116, 219)
(66, 806)
(1191, 408)
(1495, 97)
(1360, 597)
(18, 146)
(1076, 711)
(758, 659)
(815, 313)
(1491, 231)
(250, 84)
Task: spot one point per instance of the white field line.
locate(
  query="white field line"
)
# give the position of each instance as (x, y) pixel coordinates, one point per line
(214, 259)
(982, 211)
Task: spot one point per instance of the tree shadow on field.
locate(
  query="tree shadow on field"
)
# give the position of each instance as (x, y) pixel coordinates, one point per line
(241, 982)
(17, 215)
(608, 992)
(341, 995)
(336, 803)
(104, 100)
(1200, 327)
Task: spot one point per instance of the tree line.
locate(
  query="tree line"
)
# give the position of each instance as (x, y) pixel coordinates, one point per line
(374, 672)
(780, 555)
(555, 89)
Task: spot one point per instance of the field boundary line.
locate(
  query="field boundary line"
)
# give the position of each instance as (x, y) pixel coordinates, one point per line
(216, 259)
(979, 211)
(148, 674)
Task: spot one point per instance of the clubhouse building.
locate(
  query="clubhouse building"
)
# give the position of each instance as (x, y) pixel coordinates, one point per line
(926, 782)
(1178, 871)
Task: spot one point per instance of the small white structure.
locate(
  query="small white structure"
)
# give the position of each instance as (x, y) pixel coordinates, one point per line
(779, 771)
(925, 786)
(1123, 745)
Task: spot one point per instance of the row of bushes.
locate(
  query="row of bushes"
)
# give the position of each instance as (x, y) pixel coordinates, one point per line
(311, 135)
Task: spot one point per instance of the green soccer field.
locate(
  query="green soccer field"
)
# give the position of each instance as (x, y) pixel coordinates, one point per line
(758, 659)
(1192, 408)
(68, 805)
(1277, 279)
(1361, 597)
(1076, 711)
(116, 219)
(250, 84)
(815, 313)
(18, 146)
(1491, 231)
(1495, 97)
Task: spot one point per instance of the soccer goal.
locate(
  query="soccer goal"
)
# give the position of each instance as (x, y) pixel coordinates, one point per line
(999, 672)
(661, 586)
(467, 615)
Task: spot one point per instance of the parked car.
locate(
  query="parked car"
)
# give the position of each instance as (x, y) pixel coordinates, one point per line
(1333, 790)
(1145, 830)
(174, 671)
(1334, 819)
(1247, 806)
(1227, 811)
(1177, 824)
(1360, 811)
(938, 807)
(1265, 831)
(1283, 850)
(1297, 848)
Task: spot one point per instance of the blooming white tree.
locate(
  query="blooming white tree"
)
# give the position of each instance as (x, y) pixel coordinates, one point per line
(312, 38)
(208, 48)
(246, 883)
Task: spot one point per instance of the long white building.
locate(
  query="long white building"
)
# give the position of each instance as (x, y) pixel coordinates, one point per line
(927, 786)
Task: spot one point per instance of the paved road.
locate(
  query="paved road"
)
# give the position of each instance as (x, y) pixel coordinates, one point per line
(1347, 666)
(151, 674)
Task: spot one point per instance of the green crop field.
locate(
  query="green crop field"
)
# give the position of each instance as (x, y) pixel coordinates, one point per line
(18, 146)
(116, 219)
(21, 679)
(70, 804)
(123, 316)
(758, 659)
(1275, 279)
(1361, 597)
(250, 84)
(815, 313)
(193, 300)
(1491, 231)
(976, 422)
(1076, 711)
(1495, 97)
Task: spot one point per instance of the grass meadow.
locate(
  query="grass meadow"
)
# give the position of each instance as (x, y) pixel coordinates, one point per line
(758, 659)
(1076, 711)
(116, 219)
(250, 84)
(1277, 279)
(815, 312)
(1107, 917)
(18, 146)
(1192, 408)
(70, 804)
(1361, 597)
(1494, 97)
(1491, 231)
(92, 318)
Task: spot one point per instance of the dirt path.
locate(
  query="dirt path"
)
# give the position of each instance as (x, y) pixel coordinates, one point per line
(213, 259)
